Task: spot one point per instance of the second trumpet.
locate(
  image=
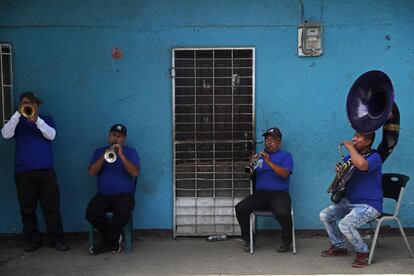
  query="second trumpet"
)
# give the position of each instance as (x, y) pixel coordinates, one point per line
(110, 154)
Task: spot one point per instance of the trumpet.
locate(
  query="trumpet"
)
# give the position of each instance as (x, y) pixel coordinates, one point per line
(255, 163)
(27, 110)
(110, 155)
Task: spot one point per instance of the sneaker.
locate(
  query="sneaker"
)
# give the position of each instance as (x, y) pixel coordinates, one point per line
(284, 247)
(116, 248)
(361, 260)
(102, 246)
(334, 251)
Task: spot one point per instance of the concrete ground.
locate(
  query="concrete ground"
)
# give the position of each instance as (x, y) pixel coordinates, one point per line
(196, 256)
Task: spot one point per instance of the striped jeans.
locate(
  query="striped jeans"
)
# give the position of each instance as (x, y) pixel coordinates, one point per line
(350, 217)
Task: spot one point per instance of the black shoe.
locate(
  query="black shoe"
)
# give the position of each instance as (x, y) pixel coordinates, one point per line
(60, 246)
(103, 246)
(32, 246)
(284, 247)
(246, 246)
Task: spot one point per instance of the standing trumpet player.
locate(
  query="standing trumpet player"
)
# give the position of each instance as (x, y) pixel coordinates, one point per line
(34, 174)
(362, 201)
(271, 189)
(116, 168)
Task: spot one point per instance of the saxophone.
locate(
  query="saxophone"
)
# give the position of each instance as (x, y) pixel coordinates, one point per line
(344, 172)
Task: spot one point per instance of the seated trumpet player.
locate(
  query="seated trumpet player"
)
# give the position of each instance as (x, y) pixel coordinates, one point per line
(361, 201)
(35, 176)
(271, 189)
(116, 168)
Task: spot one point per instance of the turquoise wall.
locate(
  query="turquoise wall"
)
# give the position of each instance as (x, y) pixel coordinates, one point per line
(62, 50)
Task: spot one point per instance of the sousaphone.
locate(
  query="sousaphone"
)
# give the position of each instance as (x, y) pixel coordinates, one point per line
(370, 105)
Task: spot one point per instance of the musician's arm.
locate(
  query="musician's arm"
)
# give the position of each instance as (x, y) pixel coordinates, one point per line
(279, 170)
(358, 160)
(131, 168)
(96, 166)
(282, 172)
(47, 130)
(131, 164)
(8, 129)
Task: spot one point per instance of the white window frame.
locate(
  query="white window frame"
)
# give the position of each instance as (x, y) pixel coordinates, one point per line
(3, 55)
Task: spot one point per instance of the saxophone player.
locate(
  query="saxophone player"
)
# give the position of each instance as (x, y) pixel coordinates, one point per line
(362, 201)
(271, 190)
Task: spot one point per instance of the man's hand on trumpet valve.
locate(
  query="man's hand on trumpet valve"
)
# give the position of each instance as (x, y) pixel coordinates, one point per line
(265, 156)
(118, 149)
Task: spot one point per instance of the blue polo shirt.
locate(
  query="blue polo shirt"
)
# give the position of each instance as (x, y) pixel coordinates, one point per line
(267, 179)
(365, 187)
(33, 151)
(113, 178)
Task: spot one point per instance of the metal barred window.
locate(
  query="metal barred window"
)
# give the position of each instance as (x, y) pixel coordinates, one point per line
(213, 106)
(6, 82)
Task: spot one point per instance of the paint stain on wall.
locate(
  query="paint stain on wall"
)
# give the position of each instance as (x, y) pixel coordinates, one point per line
(117, 53)
(387, 38)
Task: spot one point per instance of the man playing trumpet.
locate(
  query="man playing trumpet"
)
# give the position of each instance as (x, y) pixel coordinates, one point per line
(116, 168)
(271, 189)
(34, 174)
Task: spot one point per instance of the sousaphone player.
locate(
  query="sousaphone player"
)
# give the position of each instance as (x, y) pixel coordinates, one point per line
(356, 190)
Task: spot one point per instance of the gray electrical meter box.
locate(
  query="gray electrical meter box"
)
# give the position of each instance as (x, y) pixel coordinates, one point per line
(310, 39)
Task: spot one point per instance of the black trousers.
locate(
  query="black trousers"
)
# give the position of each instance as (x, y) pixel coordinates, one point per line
(39, 186)
(121, 205)
(277, 202)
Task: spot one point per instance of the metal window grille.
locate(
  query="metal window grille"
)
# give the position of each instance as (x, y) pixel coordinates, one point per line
(6, 82)
(213, 137)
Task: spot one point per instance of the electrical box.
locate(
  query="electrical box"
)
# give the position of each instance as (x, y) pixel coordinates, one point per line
(310, 39)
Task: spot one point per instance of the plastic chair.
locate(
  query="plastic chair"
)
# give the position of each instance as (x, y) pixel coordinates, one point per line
(126, 233)
(393, 185)
(265, 213)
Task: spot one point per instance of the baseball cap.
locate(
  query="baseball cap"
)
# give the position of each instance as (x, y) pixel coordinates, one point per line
(274, 131)
(119, 128)
(31, 96)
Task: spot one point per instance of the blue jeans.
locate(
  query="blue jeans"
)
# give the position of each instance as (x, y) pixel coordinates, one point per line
(350, 217)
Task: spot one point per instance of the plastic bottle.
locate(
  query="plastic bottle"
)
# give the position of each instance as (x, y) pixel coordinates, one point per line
(222, 237)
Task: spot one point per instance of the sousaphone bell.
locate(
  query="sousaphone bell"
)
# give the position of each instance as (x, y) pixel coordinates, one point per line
(370, 105)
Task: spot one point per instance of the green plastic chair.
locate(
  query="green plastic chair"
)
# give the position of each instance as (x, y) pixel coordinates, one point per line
(126, 234)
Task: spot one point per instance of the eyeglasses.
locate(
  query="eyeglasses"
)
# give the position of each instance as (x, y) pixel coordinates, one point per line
(272, 139)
